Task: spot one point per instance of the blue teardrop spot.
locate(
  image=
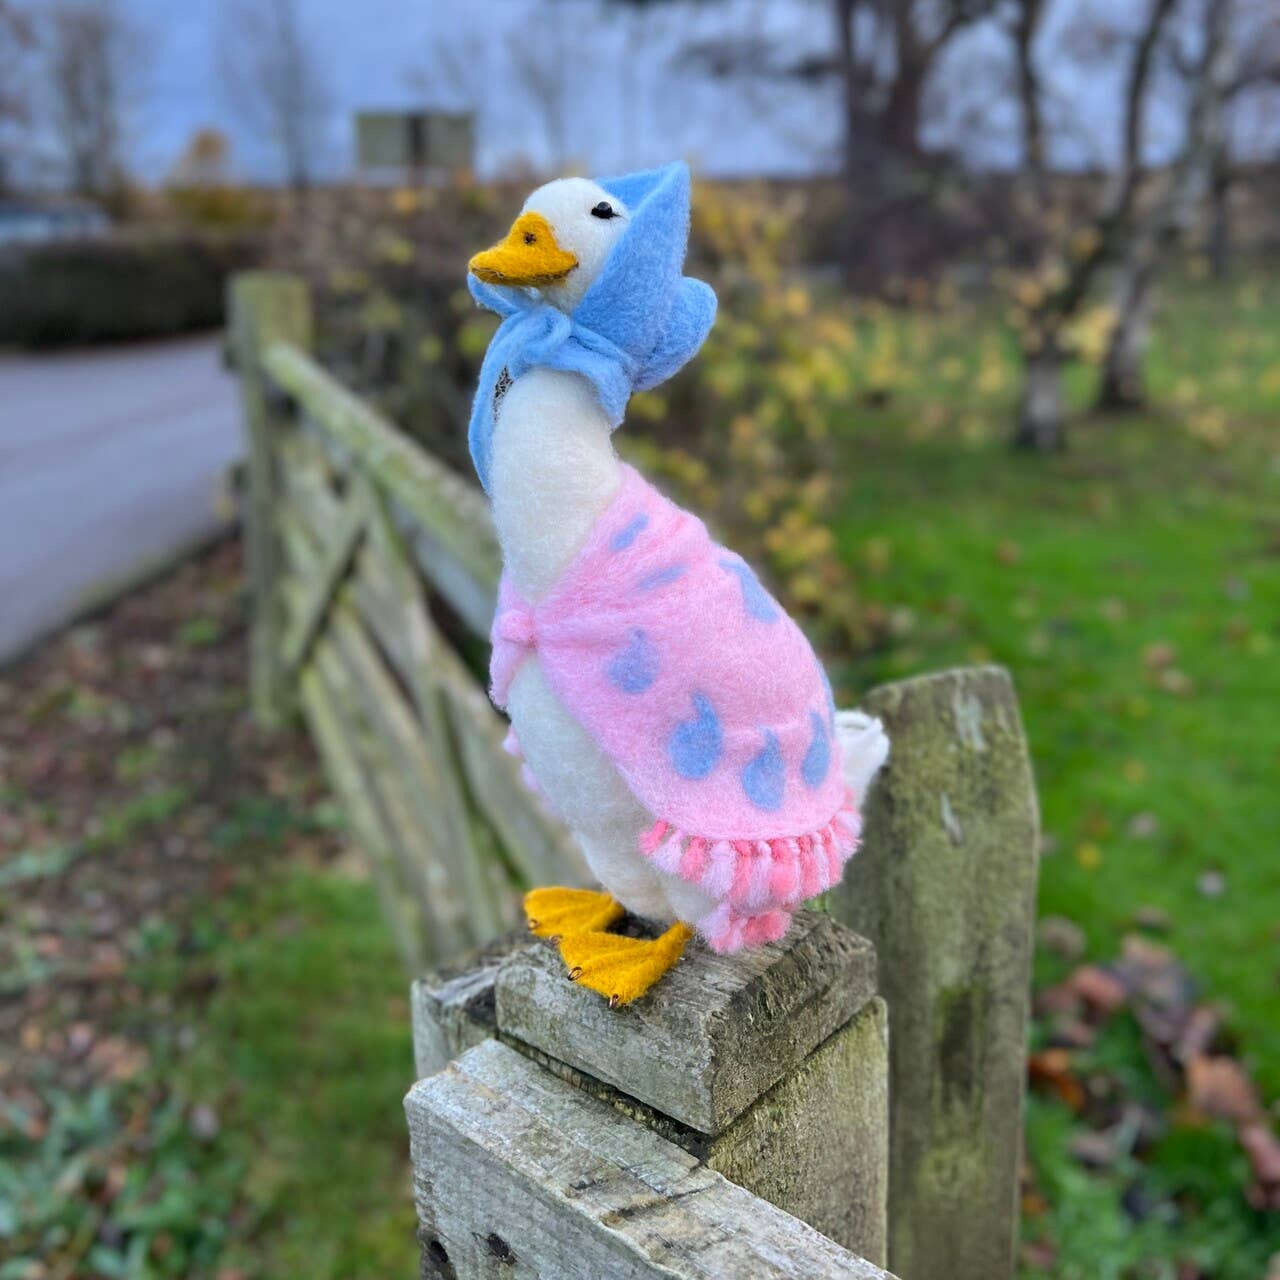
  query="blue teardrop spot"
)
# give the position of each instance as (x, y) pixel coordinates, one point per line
(629, 532)
(817, 760)
(764, 778)
(635, 668)
(695, 745)
(661, 577)
(755, 599)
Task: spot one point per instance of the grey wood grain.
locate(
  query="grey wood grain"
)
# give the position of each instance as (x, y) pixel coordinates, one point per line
(517, 1174)
(716, 1034)
(265, 308)
(945, 887)
(816, 1144)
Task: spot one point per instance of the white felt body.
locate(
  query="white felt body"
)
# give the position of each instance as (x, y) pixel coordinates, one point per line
(554, 471)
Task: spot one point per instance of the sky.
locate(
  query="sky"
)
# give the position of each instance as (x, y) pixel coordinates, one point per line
(626, 100)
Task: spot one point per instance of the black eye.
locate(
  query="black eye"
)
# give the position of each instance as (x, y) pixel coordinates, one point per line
(603, 210)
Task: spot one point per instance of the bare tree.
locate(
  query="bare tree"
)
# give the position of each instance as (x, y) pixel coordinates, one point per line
(454, 75)
(1255, 82)
(89, 53)
(878, 60)
(881, 57)
(1066, 267)
(540, 70)
(17, 41)
(1185, 189)
(274, 81)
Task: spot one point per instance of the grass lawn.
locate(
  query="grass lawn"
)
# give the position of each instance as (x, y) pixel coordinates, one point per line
(310, 1028)
(1132, 585)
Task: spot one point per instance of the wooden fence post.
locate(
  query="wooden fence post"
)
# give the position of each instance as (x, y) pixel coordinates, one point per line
(769, 1068)
(945, 888)
(265, 308)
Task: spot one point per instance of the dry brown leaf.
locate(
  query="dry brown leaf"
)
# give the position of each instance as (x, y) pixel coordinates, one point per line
(1100, 989)
(1219, 1087)
(1051, 1070)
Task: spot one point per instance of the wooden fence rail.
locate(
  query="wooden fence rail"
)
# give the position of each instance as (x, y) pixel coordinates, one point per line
(373, 573)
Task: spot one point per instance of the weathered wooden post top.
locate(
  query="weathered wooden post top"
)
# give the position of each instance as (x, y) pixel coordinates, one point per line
(706, 1130)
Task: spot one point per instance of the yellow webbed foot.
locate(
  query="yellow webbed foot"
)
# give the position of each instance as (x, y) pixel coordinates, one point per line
(558, 913)
(622, 969)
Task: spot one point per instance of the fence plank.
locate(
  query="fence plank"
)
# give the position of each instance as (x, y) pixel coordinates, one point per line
(425, 649)
(407, 776)
(945, 888)
(453, 511)
(265, 308)
(416, 862)
(517, 1173)
(324, 578)
(344, 771)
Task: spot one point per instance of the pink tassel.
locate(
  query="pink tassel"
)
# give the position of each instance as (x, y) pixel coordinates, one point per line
(715, 927)
(667, 858)
(693, 865)
(727, 936)
(761, 873)
(811, 865)
(718, 879)
(784, 877)
(744, 856)
(652, 838)
(768, 926)
(835, 865)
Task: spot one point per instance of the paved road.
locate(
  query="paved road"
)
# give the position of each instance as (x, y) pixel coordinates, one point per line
(111, 462)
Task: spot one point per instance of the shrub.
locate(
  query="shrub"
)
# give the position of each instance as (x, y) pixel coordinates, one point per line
(118, 288)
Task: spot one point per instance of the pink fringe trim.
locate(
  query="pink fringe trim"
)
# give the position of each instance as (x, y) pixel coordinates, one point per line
(757, 883)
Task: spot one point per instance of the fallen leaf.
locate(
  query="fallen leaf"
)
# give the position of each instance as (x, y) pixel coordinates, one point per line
(1175, 681)
(1263, 1149)
(1143, 825)
(1101, 990)
(1089, 856)
(1072, 1033)
(1051, 1069)
(1152, 919)
(1211, 884)
(1094, 1150)
(1198, 1034)
(1061, 937)
(1218, 1087)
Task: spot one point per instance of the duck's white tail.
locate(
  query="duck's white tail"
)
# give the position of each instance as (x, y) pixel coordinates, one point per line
(865, 747)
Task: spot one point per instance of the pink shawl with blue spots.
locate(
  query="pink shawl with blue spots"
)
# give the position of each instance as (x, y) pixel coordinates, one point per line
(708, 699)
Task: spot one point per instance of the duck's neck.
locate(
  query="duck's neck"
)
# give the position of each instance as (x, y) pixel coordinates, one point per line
(553, 471)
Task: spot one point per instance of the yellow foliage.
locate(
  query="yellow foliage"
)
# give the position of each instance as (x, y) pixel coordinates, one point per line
(406, 200)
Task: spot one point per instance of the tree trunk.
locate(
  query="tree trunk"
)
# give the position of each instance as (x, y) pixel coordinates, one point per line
(902, 110)
(1123, 383)
(1042, 413)
(1220, 221)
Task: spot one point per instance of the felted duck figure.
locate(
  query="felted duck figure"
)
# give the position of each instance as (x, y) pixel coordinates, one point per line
(663, 702)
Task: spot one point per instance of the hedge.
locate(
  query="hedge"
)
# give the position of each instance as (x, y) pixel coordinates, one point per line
(118, 288)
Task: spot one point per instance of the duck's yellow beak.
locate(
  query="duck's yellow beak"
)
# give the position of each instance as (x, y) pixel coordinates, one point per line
(528, 256)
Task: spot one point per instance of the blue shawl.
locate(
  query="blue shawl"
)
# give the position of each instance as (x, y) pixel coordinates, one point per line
(638, 323)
